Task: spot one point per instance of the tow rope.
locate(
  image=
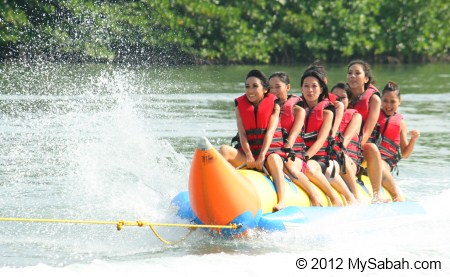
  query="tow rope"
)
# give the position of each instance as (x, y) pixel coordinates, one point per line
(119, 224)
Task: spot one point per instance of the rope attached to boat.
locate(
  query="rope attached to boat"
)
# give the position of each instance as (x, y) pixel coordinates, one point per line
(119, 224)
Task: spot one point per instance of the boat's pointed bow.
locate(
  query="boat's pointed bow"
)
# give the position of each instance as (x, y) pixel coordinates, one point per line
(218, 192)
(204, 144)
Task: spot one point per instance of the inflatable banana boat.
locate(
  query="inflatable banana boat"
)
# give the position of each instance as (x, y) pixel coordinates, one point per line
(220, 194)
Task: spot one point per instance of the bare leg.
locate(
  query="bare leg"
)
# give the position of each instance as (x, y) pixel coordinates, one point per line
(275, 167)
(314, 173)
(389, 184)
(301, 180)
(338, 183)
(374, 170)
(232, 155)
(350, 177)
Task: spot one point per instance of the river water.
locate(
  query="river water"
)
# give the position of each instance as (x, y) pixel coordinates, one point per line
(112, 142)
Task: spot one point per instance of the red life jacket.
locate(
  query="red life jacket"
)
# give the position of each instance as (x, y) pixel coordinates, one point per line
(287, 121)
(354, 146)
(336, 147)
(332, 97)
(255, 120)
(362, 106)
(313, 123)
(389, 138)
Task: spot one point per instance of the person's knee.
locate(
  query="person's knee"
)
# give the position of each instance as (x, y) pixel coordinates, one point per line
(225, 151)
(224, 148)
(274, 159)
(370, 148)
(314, 169)
(370, 151)
(291, 169)
(312, 166)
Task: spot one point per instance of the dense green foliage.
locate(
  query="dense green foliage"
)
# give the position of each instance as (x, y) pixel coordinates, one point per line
(225, 31)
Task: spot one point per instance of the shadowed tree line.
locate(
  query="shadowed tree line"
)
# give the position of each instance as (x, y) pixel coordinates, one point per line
(225, 31)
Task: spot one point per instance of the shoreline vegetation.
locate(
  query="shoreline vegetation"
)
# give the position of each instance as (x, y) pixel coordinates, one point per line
(224, 32)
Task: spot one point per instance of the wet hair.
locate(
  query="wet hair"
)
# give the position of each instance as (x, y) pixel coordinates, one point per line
(283, 76)
(367, 71)
(314, 72)
(344, 87)
(260, 75)
(391, 86)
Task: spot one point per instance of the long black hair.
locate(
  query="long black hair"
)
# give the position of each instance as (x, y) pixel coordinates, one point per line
(367, 71)
(313, 72)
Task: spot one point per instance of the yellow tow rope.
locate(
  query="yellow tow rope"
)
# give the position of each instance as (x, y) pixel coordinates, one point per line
(119, 224)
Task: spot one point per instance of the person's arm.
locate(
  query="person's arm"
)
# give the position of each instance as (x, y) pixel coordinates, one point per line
(322, 135)
(270, 131)
(339, 113)
(372, 117)
(353, 129)
(250, 160)
(405, 146)
(299, 121)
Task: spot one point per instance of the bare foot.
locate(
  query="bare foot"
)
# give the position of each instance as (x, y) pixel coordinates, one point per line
(278, 207)
(337, 201)
(377, 199)
(399, 198)
(353, 201)
(359, 197)
(315, 201)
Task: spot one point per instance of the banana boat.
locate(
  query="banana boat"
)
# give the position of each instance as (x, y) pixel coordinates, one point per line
(219, 194)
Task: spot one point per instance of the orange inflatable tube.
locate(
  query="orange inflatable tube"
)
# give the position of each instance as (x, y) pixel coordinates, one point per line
(217, 193)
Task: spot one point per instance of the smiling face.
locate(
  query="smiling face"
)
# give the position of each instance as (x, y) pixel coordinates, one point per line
(279, 88)
(356, 78)
(311, 90)
(254, 90)
(390, 102)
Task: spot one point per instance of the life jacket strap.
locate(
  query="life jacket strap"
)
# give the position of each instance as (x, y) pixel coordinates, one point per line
(311, 136)
(256, 132)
